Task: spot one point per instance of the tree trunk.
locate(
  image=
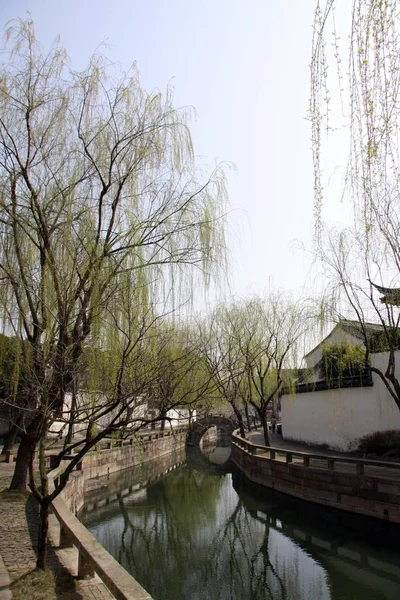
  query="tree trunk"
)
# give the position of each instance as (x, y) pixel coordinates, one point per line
(25, 455)
(42, 534)
(70, 434)
(265, 429)
(246, 411)
(26, 451)
(10, 439)
(72, 417)
(239, 417)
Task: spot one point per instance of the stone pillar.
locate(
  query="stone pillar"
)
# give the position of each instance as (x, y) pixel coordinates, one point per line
(85, 569)
(65, 539)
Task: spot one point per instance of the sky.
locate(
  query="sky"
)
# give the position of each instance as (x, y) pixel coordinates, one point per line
(244, 66)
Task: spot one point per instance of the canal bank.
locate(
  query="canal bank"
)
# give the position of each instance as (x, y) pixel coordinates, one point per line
(18, 528)
(141, 513)
(366, 487)
(199, 533)
(117, 456)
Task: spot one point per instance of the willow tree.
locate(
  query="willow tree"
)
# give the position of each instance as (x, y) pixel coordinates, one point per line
(180, 377)
(218, 335)
(112, 390)
(13, 363)
(355, 79)
(248, 347)
(270, 331)
(97, 179)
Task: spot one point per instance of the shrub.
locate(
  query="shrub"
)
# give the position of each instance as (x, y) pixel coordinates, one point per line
(380, 442)
(382, 341)
(342, 360)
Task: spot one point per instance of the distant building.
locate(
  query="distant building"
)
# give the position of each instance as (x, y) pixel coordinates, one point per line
(338, 414)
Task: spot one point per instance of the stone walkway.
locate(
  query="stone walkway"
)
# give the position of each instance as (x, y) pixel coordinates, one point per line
(276, 441)
(18, 540)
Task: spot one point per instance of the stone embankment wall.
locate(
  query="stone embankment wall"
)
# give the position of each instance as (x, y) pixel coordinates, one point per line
(368, 488)
(102, 462)
(146, 448)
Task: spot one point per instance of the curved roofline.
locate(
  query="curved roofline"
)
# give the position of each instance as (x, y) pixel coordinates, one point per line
(353, 326)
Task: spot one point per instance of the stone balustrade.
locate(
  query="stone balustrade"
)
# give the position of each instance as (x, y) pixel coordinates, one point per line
(110, 456)
(367, 487)
(93, 558)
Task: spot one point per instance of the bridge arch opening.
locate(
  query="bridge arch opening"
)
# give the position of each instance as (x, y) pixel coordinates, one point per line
(210, 432)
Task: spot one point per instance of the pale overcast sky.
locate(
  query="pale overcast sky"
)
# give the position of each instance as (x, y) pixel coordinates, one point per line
(244, 66)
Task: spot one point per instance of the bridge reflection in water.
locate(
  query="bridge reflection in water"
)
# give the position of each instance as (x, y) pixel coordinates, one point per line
(194, 532)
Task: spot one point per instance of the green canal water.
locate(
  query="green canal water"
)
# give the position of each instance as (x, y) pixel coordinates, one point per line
(195, 533)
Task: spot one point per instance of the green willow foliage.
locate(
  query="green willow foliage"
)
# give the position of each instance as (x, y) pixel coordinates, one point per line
(102, 212)
(14, 363)
(248, 348)
(355, 79)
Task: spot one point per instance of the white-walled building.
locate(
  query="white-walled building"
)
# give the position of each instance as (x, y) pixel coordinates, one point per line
(141, 409)
(338, 418)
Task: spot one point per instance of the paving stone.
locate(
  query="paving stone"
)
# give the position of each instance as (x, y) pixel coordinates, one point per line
(5, 593)
(18, 540)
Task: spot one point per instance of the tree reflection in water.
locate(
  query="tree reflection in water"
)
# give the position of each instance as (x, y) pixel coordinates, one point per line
(192, 537)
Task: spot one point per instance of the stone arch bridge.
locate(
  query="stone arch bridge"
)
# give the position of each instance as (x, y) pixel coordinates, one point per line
(198, 429)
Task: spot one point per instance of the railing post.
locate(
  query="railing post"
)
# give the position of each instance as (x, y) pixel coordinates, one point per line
(65, 540)
(289, 457)
(331, 464)
(53, 460)
(272, 454)
(306, 461)
(85, 569)
(360, 469)
(10, 456)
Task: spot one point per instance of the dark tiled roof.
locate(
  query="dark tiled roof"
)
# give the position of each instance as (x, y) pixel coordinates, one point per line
(355, 328)
(391, 295)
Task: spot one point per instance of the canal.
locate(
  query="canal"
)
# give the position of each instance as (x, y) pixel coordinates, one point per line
(186, 529)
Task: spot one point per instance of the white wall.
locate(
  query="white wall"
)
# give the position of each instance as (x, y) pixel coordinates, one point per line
(179, 417)
(339, 418)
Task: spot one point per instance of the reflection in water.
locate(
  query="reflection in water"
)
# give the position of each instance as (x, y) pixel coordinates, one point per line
(191, 535)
